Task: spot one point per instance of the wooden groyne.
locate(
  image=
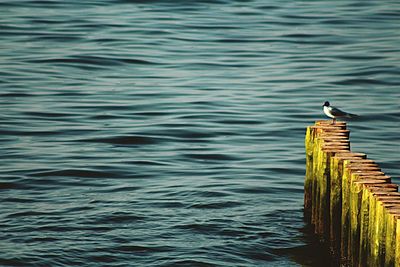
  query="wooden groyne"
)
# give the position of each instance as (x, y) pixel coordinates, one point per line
(352, 206)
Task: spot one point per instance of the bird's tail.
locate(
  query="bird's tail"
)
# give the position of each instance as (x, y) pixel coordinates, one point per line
(349, 115)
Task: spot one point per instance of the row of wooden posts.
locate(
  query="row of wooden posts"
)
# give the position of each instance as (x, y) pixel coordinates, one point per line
(351, 204)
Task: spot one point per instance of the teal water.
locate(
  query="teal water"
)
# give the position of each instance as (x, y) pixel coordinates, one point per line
(170, 133)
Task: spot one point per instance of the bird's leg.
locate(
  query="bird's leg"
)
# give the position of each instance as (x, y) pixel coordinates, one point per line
(333, 120)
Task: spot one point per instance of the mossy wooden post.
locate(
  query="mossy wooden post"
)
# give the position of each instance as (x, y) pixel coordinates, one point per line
(354, 221)
(324, 193)
(325, 148)
(386, 251)
(356, 171)
(309, 143)
(372, 255)
(349, 201)
(345, 218)
(377, 227)
(375, 184)
(315, 186)
(377, 194)
(381, 232)
(316, 202)
(397, 257)
(310, 146)
(315, 167)
(359, 215)
(352, 169)
(318, 180)
(392, 212)
(329, 149)
(335, 140)
(365, 225)
(335, 208)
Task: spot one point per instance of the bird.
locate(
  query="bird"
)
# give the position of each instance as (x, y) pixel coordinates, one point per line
(334, 112)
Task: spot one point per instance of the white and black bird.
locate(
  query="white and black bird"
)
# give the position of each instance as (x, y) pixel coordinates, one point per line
(335, 113)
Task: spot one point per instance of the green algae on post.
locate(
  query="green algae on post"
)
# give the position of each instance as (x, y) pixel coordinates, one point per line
(351, 204)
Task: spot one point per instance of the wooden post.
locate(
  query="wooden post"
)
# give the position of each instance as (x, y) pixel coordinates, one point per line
(356, 214)
(397, 256)
(365, 216)
(309, 144)
(319, 152)
(336, 169)
(349, 201)
(350, 170)
(377, 225)
(392, 211)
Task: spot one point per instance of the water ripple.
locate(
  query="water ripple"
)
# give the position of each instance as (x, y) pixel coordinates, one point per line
(125, 140)
(170, 133)
(92, 60)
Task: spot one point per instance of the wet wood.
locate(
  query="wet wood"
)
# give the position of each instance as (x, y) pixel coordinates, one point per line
(351, 204)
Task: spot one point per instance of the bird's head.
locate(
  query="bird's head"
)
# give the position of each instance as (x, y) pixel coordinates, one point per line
(326, 104)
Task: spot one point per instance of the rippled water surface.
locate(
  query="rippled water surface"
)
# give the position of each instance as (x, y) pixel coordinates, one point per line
(170, 133)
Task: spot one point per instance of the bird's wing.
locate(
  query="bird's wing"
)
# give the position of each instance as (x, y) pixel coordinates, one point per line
(337, 112)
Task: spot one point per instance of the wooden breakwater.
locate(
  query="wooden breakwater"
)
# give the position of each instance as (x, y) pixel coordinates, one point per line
(352, 206)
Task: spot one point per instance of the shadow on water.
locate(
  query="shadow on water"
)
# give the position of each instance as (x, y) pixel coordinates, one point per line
(312, 254)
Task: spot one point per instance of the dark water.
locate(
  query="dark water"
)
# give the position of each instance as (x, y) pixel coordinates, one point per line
(170, 133)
